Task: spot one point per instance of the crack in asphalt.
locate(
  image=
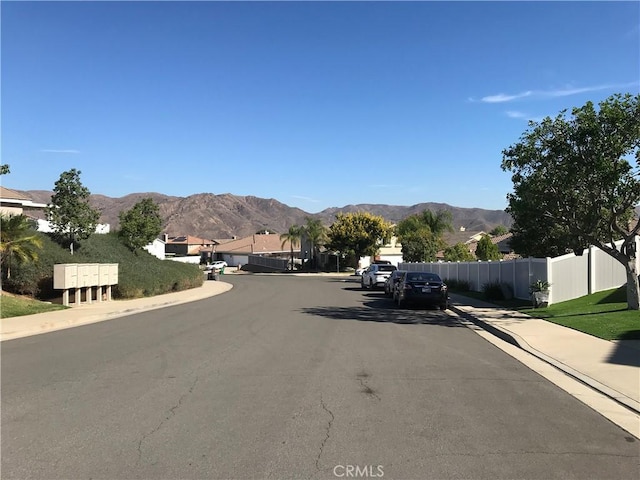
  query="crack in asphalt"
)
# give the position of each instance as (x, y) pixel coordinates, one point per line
(171, 413)
(327, 435)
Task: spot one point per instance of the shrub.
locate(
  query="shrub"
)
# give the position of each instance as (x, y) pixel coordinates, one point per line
(458, 285)
(493, 291)
(139, 274)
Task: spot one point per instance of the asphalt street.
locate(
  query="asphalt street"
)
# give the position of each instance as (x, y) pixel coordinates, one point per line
(292, 377)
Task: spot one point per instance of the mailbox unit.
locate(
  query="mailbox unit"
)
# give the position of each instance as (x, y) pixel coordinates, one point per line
(77, 276)
(65, 276)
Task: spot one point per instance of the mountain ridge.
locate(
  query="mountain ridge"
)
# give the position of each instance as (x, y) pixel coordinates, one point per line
(218, 216)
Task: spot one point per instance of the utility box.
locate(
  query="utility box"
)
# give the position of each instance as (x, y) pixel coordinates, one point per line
(113, 273)
(94, 274)
(83, 275)
(65, 276)
(104, 274)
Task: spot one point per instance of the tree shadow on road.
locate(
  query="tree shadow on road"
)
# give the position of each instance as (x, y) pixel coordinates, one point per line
(384, 311)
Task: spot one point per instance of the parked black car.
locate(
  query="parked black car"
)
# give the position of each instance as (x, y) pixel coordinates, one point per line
(422, 288)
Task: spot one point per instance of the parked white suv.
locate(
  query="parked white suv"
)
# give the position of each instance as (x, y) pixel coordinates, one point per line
(376, 275)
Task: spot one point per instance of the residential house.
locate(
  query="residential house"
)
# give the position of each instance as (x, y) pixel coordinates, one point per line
(15, 203)
(156, 248)
(236, 251)
(391, 252)
(471, 239)
(188, 245)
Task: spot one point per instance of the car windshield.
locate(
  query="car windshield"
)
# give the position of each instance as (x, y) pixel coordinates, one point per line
(422, 277)
(386, 268)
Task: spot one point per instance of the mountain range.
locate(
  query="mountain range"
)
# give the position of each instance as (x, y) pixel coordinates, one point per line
(213, 216)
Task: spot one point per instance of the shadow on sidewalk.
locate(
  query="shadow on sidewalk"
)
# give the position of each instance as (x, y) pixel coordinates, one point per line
(627, 350)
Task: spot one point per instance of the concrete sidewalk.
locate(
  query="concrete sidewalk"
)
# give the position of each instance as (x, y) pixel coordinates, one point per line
(610, 367)
(84, 314)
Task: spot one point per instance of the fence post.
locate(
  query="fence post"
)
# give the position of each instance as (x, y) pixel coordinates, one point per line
(549, 278)
(591, 265)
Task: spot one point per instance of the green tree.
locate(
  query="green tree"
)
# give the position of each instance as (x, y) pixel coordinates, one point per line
(420, 246)
(19, 242)
(4, 169)
(421, 235)
(575, 184)
(70, 215)
(316, 234)
(140, 225)
(487, 250)
(458, 253)
(499, 230)
(358, 234)
(293, 236)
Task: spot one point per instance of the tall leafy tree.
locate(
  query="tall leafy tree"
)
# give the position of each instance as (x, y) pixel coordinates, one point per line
(19, 242)
(576, 182)
(316, 234)
(70, 215)
(487, 250)
(140, 225)
(4, 169)
(458, 253)
(358, 234)
(421, 235)
(293, 236)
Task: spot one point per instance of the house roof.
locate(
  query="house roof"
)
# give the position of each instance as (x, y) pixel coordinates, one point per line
(502, 241)
(8, 194)
(454, 238)
(189, 240)
(257, 244)
(10, 197)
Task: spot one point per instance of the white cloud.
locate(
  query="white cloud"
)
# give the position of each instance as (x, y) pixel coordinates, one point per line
(515, 114)
(559, 92)
(522, 116)
(501, 97)
(307, 199)
(48, 150)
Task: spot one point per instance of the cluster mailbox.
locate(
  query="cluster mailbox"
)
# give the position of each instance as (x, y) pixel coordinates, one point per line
(68, 276)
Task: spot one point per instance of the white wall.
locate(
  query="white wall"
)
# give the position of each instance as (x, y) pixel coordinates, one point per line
(45, 227)
(156, 248)
(194, 259)
(571, 276)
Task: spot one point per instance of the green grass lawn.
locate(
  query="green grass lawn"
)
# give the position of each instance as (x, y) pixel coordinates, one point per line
(17, 306)
(603, 314)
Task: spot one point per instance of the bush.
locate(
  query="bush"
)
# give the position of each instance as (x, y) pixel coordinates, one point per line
(493, 291)
(140, 274)
(458, 285)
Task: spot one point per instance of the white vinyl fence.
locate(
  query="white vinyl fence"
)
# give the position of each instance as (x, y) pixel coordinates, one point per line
(571, 276)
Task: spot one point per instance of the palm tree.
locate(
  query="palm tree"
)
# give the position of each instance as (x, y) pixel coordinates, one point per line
(438, 223)
(316, 233)
(17, 240)
(293, 236)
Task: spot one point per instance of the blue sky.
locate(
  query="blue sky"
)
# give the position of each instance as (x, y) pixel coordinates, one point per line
(315, 104)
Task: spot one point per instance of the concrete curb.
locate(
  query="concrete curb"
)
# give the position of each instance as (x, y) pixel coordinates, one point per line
(519, 342)
(12, 328)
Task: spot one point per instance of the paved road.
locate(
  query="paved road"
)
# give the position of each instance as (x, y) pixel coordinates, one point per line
(291, 377)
